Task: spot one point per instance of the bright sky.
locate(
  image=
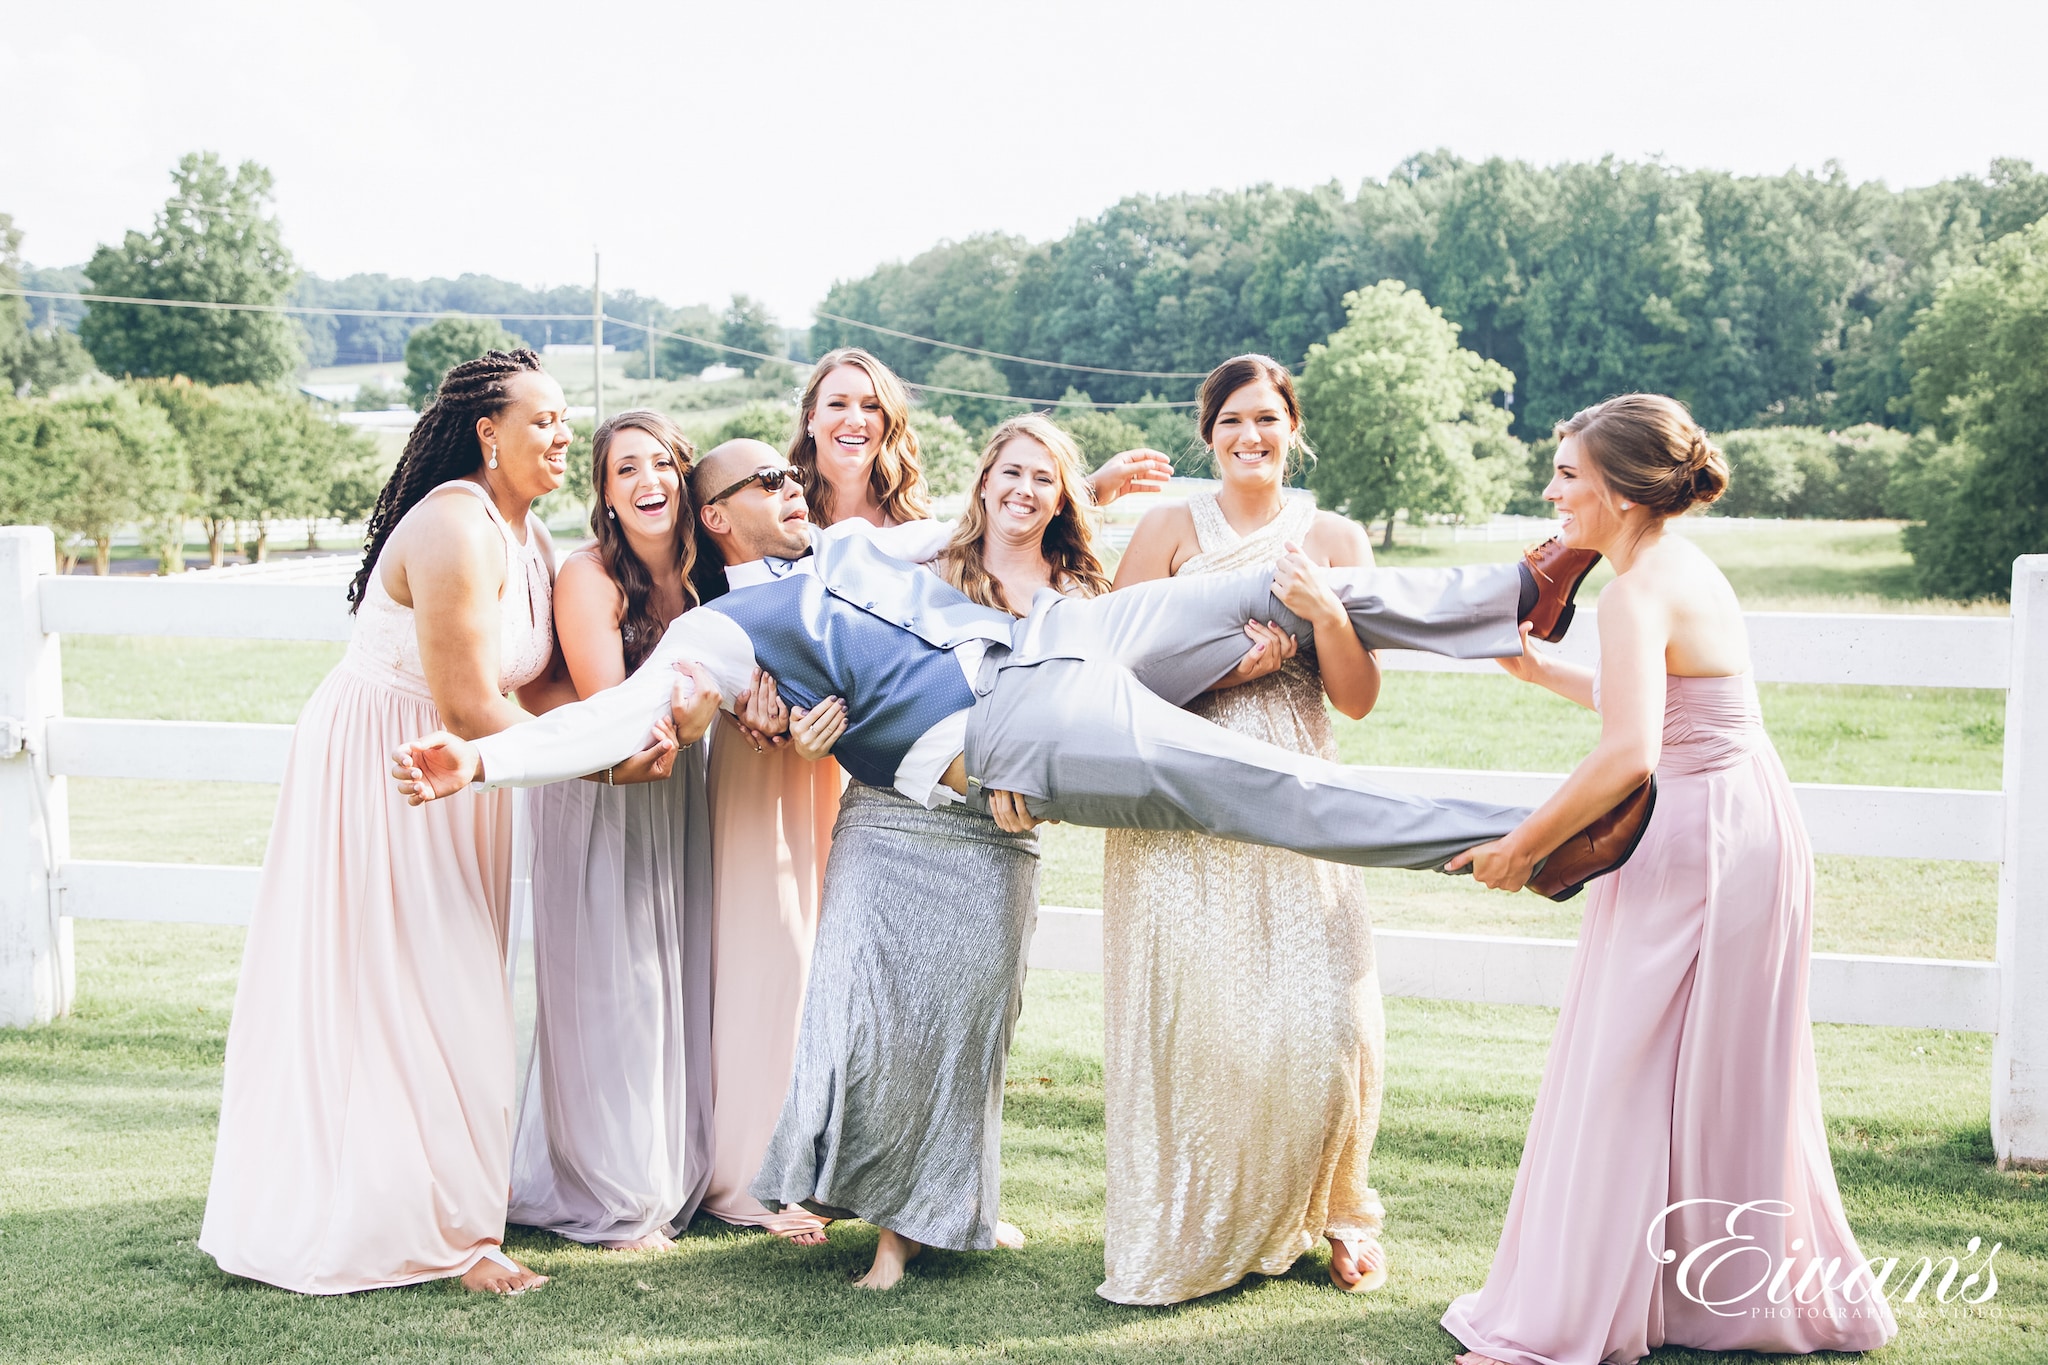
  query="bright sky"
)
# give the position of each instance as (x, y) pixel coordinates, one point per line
(775, 146)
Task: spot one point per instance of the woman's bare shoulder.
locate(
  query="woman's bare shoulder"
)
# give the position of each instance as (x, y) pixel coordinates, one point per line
(1169, 527)
(446, 532)
(1165, 536)
(584, 574)
(1338, 541)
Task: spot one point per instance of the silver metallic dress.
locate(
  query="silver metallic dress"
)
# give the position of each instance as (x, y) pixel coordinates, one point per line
(895, 1109)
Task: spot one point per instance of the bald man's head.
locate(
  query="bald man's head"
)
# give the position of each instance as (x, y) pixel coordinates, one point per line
(729, 462)
(751, 521)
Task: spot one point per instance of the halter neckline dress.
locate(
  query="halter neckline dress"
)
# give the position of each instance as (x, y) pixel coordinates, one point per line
(366, 1111)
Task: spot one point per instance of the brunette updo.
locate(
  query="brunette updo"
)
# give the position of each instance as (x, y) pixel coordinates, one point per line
(1232, 375)
(1650, 451)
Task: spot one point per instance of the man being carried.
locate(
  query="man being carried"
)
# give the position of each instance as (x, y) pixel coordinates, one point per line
(1071, 713)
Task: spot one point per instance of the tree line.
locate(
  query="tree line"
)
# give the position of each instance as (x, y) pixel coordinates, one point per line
(1774, 299)
(1868, 351)
(155, 453)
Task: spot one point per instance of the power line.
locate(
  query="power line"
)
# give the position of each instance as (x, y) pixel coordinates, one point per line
(293, 307)
(1019, 359)
(928, 388)
(222, 306)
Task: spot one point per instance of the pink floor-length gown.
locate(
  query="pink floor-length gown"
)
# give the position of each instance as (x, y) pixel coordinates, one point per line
(366, 1111)
(1682, 1069)
(771, 829)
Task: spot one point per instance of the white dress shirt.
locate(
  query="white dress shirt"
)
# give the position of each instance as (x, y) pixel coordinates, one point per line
(613, 725)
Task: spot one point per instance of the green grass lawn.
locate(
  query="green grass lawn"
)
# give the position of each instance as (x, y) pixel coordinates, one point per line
(107, 1118)
(109, 1121)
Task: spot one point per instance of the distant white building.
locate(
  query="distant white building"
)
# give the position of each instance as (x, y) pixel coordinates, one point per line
(711, 374)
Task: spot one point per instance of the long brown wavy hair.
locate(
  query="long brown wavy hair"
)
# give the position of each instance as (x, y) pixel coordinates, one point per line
(896, 476)
(1069, 541)
(640, 628)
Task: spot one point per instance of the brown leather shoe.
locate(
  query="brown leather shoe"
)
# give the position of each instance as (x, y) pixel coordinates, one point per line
(1599, 848)
(1559, 569)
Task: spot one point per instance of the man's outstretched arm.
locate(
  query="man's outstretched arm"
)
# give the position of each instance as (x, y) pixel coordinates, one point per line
(613, 725)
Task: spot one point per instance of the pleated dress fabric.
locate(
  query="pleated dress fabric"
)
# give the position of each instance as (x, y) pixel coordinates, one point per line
(1682, 1069)
(1244, 1032)
(614, 1134)
(894, 1113)
(366, 1108)
(771, 826)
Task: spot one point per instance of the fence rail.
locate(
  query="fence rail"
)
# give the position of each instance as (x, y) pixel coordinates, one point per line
(42, 888)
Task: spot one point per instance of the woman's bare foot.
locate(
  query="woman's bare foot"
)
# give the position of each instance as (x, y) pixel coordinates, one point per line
(892, 1252)
(809, 1235)
(498, 1273)
(656, 1240)
(1357, 1264)
(1474, 1358)
(1008, 1237)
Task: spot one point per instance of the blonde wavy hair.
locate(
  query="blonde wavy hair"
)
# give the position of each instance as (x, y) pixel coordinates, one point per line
(896, 476)
(1069, 541)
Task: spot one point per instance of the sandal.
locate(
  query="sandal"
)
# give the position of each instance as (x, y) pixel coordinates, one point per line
(1355, 1243)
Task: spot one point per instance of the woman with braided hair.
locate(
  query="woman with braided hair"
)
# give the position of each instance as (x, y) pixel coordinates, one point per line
(366, 1113)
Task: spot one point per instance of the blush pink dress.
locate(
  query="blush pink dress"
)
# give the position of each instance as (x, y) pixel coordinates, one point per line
(771, 830)
(1682, 1069)
(366, 1111)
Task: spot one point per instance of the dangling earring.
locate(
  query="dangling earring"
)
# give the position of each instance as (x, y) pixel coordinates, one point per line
(611, 511)
(494, 457)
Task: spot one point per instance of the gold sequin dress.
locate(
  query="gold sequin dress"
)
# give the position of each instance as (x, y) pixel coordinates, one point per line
(1244, 1027)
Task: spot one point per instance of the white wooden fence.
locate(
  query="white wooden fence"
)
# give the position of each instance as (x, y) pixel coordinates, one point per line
(43, 889)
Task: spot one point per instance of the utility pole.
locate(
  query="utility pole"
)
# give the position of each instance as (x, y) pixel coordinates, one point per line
(597, 333)
(650, 351)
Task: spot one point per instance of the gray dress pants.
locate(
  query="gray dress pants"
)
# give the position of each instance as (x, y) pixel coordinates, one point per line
(1083, 718)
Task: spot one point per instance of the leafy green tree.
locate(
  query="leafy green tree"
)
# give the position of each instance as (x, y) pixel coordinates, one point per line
(1175, 433)
(1979, 358)
(31, 360)
(256, 455)
(118, 462)
(443, 344)
(13, 308)
(946, 452)
(24, 480)
(748, 324)
(770, 422)
(212, 241)
(676, 356)
(975, 416)
(340, 473)
(1098, 432)
(1403, 417)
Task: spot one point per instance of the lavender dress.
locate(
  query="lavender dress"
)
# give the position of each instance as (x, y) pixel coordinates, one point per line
(614, 1135)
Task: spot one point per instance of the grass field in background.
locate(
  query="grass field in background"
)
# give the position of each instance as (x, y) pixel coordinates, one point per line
(109, 1122)
(109, 1115)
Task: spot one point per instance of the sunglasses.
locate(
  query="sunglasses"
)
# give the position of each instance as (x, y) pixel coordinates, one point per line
(771, 480)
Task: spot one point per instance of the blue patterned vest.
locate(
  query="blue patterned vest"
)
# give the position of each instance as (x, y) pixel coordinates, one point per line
(817, 644)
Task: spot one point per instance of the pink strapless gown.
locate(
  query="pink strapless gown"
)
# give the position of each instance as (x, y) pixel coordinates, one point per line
(1683, 1069)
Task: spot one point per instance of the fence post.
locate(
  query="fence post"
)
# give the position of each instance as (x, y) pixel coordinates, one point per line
(35, 944)
(2019, 1053)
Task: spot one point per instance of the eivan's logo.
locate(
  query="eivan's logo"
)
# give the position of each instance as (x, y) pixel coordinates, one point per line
(1716, 1274)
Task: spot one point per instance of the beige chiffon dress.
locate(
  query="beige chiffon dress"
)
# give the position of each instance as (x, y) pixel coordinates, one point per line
(366, 1111)
(771, 829)
(1243, 1057)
